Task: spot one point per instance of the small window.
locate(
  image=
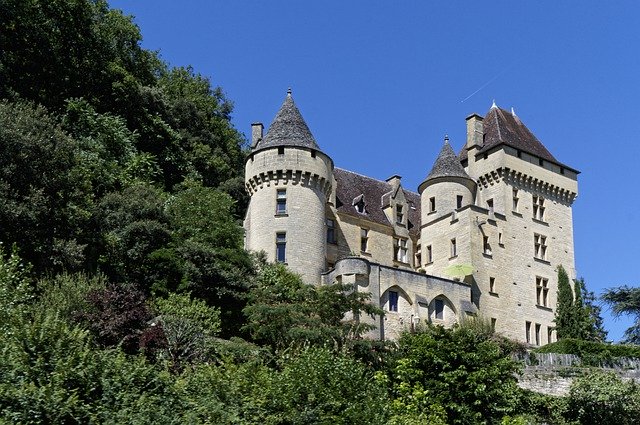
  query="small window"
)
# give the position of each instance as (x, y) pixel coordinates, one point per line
(500, 241)
(562, 170)
(281, 201)
(281, 247)
(549, 335)
(493, 324)
(313, 154)
(281, 150)
(439, 309)
(486, 247)
(527, 330)
(364, 240)
(490, 206)
(538, 207)
(459, 201)
(538, 326)
(360, 206)
(542, 291)
(429, 254)
(399, 213)
(432, 204)
(401, 250)
(519, 154)
(454, 248)
(541, 162)
(515, 200)
(418, 256)
(331, 231)
(492, 285)
(540, 246)
(393, 301)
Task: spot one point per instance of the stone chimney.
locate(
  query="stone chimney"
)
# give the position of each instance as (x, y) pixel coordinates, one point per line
(256, 133)
(475, 131)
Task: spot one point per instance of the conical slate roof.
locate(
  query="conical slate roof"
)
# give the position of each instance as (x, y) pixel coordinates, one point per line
(447, 164)
(288, 129)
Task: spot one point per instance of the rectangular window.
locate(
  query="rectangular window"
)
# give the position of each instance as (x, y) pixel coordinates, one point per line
(280, 150)
(281, 247)
(527, 330)
(331, 231)
(500, 242)
(538, 326)
(515, 200)
(490, 206)
(393, 301)
(486, 247)
(454, 248)
(432, 204)
(492, 285)
(493, 324)
(401, 250)
(418, 262)
(281, 201)
(540, 246)
(364, 240)
(439, 308)
(399, 213)
(538, 207)
(549, 335)
(542, 291)
(459, 201)
(429, 254)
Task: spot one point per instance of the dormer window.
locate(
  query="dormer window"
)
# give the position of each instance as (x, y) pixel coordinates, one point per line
(358, 203)
(281, 150)
(399, 213)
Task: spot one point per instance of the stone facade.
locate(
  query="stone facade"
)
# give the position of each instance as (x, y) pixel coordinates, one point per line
(484, 235)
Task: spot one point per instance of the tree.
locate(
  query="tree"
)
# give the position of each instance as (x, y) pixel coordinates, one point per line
(284, 312)
(189, 326)
(603, 398)
(469, 373)
(575, 317)
(626, 300)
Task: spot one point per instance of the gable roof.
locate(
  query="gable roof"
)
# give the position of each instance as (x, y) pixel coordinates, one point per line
(288, 129)
(447, 164)
(505, 128)
(376, 195)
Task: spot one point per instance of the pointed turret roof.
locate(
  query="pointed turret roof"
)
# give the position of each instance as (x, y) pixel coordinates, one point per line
(504, 127)
(447, 164)
(288, 128)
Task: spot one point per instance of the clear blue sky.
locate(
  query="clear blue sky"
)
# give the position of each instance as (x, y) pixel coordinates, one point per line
(369, 74)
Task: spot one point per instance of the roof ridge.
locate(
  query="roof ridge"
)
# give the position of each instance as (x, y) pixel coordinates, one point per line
(374, 179)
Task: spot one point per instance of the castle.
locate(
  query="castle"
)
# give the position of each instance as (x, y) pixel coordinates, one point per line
(484, 235)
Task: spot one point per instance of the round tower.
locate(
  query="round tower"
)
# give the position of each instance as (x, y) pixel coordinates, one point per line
(289, 180)
(447, 187)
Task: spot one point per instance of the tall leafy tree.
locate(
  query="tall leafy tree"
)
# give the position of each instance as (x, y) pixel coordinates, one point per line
(625, 300)
(565, 318)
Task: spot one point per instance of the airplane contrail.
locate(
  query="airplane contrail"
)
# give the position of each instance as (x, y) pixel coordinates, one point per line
(485, 84)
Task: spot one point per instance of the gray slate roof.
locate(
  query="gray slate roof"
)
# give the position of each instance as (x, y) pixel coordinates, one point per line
(376, 193)
(288, 129)
(447, 164)
(504, 127)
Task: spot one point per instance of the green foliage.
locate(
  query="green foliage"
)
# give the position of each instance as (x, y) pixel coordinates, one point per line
(576, 316)
(283, 312)
(602, 398)
(16, 292)
(590, 352)
(67, 294)
(470, 374)
(626, 300)
(189, 326)
(318, 386)
(44, 201)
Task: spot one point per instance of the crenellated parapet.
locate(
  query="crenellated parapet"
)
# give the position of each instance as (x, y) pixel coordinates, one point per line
(550, 190)
(288, 177)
